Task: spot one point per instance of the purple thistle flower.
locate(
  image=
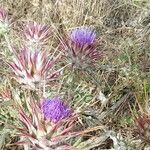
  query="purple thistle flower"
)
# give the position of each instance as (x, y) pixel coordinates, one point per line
(55, 109)
(40, 134)
(37, 132)
(83, 35)
(81, 49)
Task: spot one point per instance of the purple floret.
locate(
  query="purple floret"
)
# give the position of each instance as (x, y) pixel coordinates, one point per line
(83, 35)
(55, 109)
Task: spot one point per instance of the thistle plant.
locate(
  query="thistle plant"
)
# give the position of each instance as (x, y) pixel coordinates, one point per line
(39, 132)
(33, 67)
(4, 21)
(143, 126)
(81, 49)
(36, 35)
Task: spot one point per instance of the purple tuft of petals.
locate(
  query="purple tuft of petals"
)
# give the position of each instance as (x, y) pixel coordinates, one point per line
(55, 109)
(83, 36)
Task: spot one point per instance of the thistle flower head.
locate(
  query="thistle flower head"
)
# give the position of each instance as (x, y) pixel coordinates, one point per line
(143, 126)
(55, 109)
(81, 48)
(4, 21)
(36, 33)
(143, 122)
(83, 36)
(38, 133)
(32, 67)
